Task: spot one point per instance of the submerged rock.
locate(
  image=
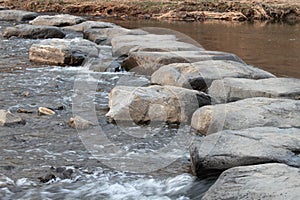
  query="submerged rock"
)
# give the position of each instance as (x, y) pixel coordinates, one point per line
(228, 148)
(237, 89)
(104, 35)
(200, 75)
(17, 15)
(122, 45)
(33, 32)
(9, 119)
(247, 113)
(78, 122)
(148, 62)
(57, 20)
(154, 103)
(63, 51)
(268, 181)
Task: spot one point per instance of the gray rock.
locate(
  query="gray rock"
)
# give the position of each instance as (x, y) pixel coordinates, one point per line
(9, 119)
(33, 32)
(80, 123)
(57, 20)
(268, 181)
(247, 113)
(84, 26)
(154, 103)
(63, 51)
(199, 75)
(17, 15)
(147, 62)
(122, 45)
(233, 89)
(104, 35)
(226, 149)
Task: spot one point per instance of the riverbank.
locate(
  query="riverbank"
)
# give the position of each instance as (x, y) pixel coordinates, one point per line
(273, 10)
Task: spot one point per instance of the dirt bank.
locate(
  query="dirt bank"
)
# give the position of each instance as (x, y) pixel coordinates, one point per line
(186, 10)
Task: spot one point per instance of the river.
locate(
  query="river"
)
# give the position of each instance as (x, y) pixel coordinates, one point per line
(47, 159)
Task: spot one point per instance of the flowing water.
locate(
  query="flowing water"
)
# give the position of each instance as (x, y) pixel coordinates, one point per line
(47, 159)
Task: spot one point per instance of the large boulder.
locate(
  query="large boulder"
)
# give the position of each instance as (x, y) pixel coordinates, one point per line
(144, 62)
(90, 25)
(63, 51)
(233, 89)
(272, 181)
(122, 45)
(17, 15)
(104, 35)
(33, 32)
(8, 119)
(228, 148)
(154, 103)
(57, 20)
(247, 113)
(200, 75)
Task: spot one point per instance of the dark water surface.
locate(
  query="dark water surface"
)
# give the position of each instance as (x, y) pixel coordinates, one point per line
(272, 47)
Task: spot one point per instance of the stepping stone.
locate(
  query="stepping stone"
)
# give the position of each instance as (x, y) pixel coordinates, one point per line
(57, 20)
(268, 181)
(17, 15)
(231, 148)
(247, 113)
(33, 32)
(84, 26)
(233, 89)
(200, 75)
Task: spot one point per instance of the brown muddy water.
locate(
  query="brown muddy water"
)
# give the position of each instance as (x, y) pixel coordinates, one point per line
(274, 47)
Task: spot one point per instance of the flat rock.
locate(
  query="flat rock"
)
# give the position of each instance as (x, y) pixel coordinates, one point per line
(144, 62)
(231, 148)
(9, 119)
(233, 89)
(200, 75)
(247, 113)
(122, 45)
(272, 181)
(104, 35)
(154, 103)
(33, 32)
(17, 15)
(63, 51)
(57, 20)
(84, 26)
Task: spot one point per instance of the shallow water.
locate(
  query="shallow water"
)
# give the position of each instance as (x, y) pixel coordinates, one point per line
(273, 47)
(47, 159)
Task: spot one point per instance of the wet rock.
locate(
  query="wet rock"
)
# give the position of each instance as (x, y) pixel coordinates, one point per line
(233, 89)
(84, 26)
(78, 122)
(104, 35)
(154, 103)
(63, 51)
(200, 75)
(47, 178)
(5, 181)
(33, 32)
(104, 65)
(45, 111)
(228, 148)
(17, 15)
(122, 45)
(26, 93)
(147, 62)
(21, 110)
(247, 113)
(9, 119)
(267, 181)
(57, 20)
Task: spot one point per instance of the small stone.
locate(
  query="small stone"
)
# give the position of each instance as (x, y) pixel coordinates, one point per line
(21, 110)
(8, 119)
(26, 94)
(45, 111)
(78, 122)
